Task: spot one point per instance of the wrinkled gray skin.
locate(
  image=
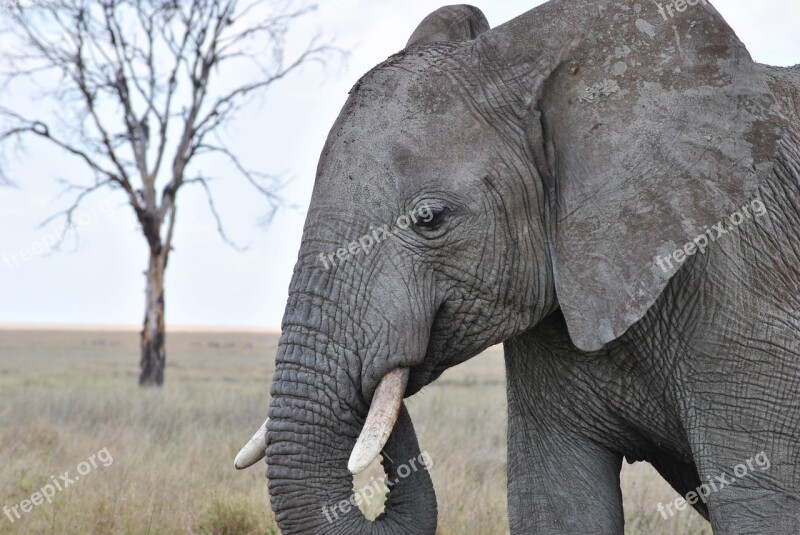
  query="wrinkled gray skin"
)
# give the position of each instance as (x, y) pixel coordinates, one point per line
(562, 154)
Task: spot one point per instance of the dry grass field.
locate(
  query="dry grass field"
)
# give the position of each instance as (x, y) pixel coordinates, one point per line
(67, 395)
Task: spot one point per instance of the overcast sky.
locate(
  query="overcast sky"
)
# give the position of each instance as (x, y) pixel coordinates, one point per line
(100, 280)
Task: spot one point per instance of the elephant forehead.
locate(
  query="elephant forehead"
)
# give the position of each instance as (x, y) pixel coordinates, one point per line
(406, 159)
(407, 102)
(403, 124)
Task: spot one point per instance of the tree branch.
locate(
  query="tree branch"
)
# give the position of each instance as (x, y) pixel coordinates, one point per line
(125, 65)
(203, 182)
(69, 213)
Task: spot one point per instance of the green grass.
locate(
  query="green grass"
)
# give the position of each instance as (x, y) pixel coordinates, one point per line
(67, 395)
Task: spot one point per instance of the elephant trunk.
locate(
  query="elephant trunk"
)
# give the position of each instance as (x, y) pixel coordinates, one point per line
(315, 418)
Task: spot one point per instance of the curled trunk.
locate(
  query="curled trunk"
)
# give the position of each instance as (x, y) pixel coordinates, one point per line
(310, 435)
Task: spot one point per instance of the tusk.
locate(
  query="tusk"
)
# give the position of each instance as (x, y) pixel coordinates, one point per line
(254, 451)
(380, 421)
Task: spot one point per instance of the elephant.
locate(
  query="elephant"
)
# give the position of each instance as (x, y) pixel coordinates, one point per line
(607, 187)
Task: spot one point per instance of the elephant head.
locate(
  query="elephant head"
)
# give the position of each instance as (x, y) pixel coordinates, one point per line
(474, 183)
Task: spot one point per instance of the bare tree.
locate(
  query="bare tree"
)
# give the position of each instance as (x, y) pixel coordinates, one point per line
(146, 86)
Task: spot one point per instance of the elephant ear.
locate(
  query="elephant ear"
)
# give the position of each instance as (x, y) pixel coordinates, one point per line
(450, 23)
(650, 130)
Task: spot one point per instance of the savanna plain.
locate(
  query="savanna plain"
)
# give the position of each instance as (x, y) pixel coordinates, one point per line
(69, 393)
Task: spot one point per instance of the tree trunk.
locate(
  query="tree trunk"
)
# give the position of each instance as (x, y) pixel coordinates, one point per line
(153, 334)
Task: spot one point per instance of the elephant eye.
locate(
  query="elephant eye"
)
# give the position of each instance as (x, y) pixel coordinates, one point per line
(431, 215)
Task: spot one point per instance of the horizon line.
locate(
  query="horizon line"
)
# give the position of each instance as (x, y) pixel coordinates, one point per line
(128, 327)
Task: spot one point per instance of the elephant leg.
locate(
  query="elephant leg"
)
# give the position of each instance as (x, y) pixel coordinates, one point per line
(559, 484)
(755, 512)
(559, 481)
(752, 480)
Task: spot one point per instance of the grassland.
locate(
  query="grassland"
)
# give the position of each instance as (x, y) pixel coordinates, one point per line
(68, 394)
